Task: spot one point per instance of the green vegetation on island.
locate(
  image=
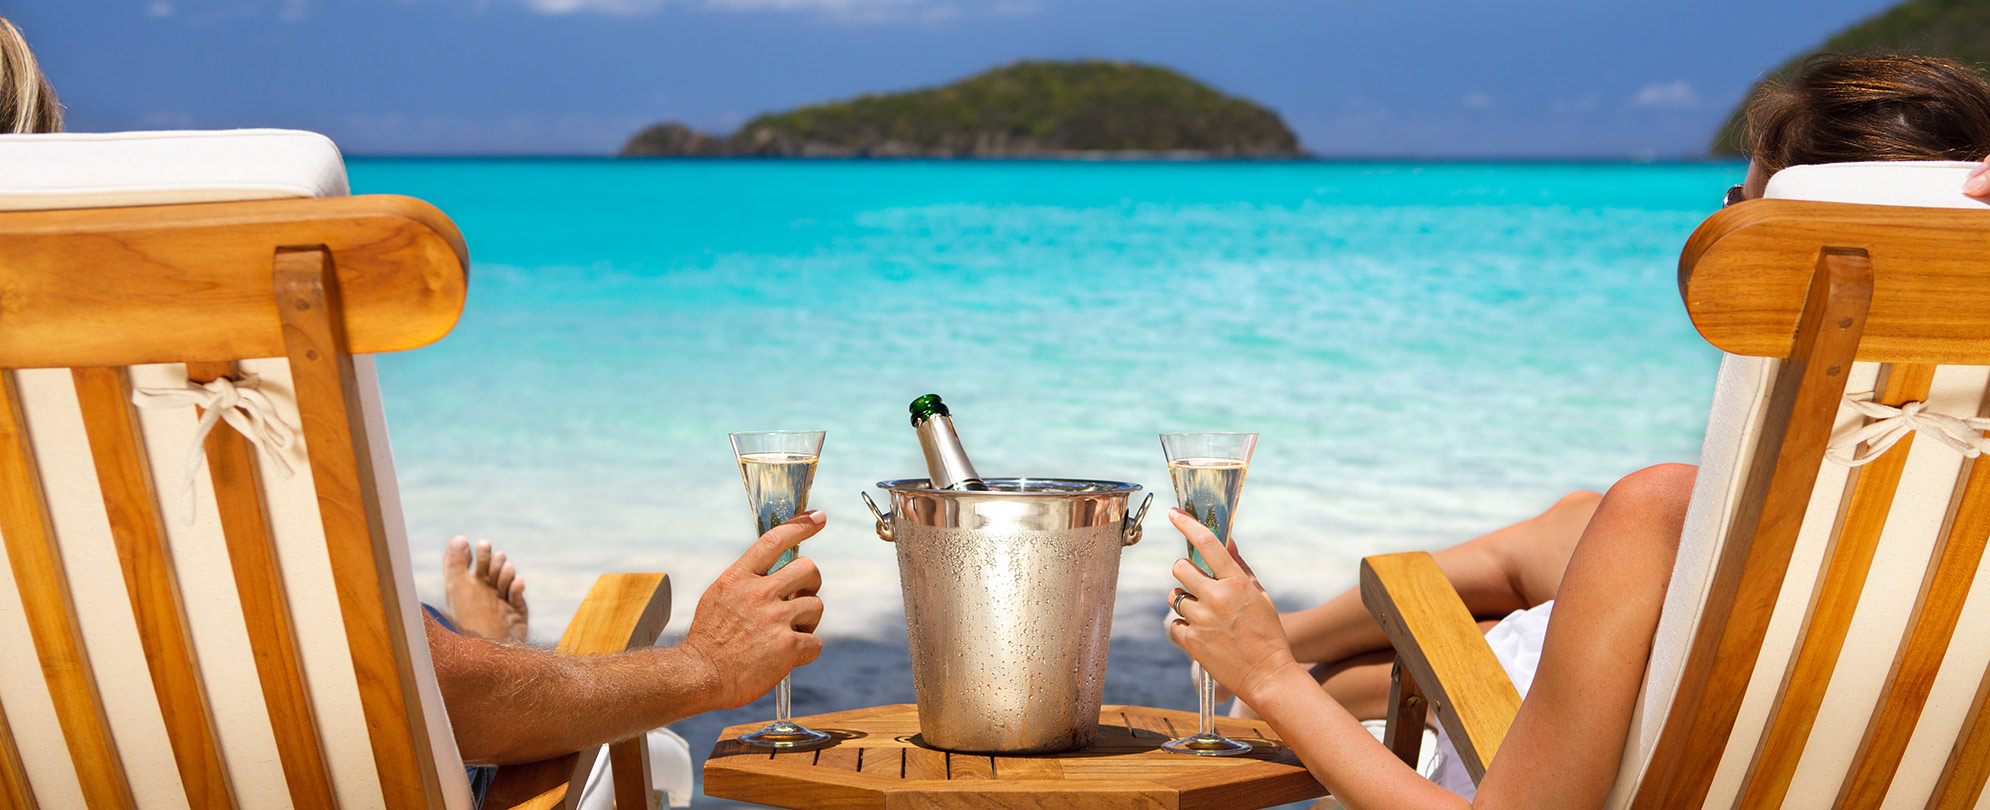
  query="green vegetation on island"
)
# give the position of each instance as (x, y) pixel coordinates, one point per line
(1027, 109)
(1955, 29)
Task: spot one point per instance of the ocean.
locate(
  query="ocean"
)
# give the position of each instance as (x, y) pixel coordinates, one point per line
(1428, 352)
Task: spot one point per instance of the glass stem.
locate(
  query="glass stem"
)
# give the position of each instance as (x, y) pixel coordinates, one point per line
(1208, 717)
(784, 706)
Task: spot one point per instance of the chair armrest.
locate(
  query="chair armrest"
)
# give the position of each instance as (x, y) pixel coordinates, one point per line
(622, 612)
(1439, 643)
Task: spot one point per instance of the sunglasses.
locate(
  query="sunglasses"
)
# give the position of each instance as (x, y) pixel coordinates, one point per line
(1734, 195)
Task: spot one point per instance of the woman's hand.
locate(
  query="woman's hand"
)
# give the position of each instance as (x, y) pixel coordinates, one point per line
(1228, 623)
(1978, 184)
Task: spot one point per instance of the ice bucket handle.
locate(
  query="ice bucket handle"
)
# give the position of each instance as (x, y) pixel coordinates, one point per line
(884, 518)
(1130, 532)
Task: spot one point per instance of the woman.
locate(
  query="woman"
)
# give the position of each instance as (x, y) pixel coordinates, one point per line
(27, 102)
(1604, 562)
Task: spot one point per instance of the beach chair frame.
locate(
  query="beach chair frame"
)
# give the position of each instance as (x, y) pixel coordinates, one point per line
(210, 284)
(1819, 285)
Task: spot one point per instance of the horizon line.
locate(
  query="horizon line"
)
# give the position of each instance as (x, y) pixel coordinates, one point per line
(1678, 158)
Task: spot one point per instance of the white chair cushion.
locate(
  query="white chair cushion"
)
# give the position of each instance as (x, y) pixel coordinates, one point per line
(103, 170)
(1918, 184)
(1740, 400)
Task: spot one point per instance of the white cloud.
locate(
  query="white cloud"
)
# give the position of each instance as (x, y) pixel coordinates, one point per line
(159, 9)
(1677, 94)
(841, 10)
(1476, 101)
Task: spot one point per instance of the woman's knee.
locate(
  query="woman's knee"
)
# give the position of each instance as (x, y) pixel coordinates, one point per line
(1581, 500)
(1655, 496)
(1658, 484)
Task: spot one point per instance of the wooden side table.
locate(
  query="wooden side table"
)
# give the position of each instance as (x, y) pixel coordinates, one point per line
(878, 762)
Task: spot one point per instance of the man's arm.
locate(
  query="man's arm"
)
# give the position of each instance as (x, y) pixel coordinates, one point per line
(518, 704)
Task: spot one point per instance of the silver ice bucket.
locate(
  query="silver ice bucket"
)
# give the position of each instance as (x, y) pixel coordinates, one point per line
(1008, 606)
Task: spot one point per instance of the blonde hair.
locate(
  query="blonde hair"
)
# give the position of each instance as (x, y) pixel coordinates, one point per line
(27, 102)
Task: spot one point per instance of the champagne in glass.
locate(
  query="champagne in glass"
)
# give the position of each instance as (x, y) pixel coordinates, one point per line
(1208, 472)
(777, 468)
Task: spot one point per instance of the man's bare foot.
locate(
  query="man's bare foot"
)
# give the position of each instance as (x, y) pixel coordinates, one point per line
(486, 596)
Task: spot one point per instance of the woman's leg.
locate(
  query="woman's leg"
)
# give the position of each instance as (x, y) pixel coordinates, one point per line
(1514, 568)
(1511, 569)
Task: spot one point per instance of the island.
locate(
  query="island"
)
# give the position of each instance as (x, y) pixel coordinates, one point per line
(1032, 109)
(1955, 29)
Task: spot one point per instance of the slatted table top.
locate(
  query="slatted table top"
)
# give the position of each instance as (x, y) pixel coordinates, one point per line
(877, 762)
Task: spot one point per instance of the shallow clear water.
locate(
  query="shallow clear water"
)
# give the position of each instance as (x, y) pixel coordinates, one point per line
(1428, 352)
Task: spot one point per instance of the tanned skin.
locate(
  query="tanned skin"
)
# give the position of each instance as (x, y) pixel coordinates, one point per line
(1563, 748)
(511, 703)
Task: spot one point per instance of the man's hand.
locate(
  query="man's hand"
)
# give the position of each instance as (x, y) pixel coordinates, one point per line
(753, 627)
(1978, 184)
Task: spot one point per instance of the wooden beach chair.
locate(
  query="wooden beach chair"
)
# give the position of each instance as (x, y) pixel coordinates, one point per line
(244, 634)
(1822, 641)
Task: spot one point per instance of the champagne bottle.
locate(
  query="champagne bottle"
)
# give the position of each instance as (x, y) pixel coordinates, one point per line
(947, 466)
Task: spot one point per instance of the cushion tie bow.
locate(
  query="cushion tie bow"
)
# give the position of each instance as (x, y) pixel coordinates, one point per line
(1891, 424)
(241, 404)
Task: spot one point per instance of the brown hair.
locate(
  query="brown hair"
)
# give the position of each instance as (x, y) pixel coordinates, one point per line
(1840, 108)
(27, 102)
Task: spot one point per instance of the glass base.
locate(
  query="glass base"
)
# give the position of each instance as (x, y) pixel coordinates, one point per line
(784, 734)
(1208, 745)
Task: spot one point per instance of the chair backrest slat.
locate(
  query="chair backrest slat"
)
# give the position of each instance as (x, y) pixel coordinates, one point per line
(307, 289)
(1861, 522)
(1937, 608)
(1802, 408)
(131, 505)
(238, 497)
(14, 788)
(51, 614)
(1968, 767)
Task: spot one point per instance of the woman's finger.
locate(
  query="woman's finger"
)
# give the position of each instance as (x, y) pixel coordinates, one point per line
(1191, 577)
(1221, 563)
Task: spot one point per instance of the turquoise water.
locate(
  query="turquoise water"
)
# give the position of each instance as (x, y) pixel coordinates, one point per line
(1429, 351)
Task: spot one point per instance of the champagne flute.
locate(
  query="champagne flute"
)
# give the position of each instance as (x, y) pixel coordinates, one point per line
(1208, 472)
(777, 468)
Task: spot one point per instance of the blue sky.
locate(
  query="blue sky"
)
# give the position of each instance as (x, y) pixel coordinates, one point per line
(1396, 78)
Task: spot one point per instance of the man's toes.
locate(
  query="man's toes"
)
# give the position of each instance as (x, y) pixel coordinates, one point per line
(516, 595)
(506, 573)
(456, 556)
(482, 567)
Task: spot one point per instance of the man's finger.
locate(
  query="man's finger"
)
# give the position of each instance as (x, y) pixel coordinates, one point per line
(799, 577)
(761, 555)
(1221, 564)
(808, 613)
(811, 646)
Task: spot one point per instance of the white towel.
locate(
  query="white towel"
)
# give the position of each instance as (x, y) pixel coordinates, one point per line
(1516, 642)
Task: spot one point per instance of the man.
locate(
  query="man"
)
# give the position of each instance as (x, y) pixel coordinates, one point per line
(509, 703)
